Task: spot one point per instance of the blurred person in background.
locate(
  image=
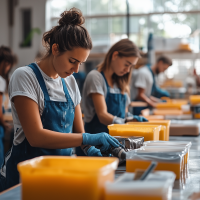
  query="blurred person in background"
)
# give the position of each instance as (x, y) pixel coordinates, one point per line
(7, 60)
(197, 77)
(143, 84)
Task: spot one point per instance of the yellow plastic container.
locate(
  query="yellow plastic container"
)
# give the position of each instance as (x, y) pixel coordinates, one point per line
(197, 116)
(162, 129)
(62, 177)
(194, 99)
(155, 117)
(171, 105)
(166, 160)
(167, 112)
(133, 165)
(168, 149)
(165, 123)
(132, 197)
(149, 133)
(174, 100)
(172, 83)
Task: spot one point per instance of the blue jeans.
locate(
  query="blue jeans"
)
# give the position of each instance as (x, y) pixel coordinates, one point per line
(1, 145)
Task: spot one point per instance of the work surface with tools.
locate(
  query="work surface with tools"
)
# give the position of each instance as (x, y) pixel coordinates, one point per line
(180, 192)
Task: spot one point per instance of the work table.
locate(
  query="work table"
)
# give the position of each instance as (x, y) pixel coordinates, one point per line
(179, 192)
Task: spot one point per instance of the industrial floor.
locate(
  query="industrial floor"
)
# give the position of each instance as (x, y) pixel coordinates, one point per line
(182, 189)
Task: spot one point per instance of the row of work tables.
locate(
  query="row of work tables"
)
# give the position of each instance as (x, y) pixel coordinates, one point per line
(182, 188)
(181, 191)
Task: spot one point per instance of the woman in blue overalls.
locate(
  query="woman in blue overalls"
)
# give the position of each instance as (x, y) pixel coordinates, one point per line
(7, 60)
(105, 91)
(45, 101)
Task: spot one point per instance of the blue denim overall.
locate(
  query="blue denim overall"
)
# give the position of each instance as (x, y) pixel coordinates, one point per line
(116, 105)
(156, 91)
(56, 116)
(1, 141)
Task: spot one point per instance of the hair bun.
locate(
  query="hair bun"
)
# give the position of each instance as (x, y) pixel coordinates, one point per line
(73, 17)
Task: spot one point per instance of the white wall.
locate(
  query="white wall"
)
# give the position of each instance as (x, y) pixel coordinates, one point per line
(4, 36)
(25, 55)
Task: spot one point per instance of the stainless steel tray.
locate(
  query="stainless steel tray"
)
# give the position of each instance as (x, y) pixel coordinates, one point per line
(130, 143)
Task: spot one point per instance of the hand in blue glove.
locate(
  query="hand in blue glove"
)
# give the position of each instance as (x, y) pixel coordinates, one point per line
(163, 100)
(92, 151)
(130, 117)
(103, 139)
(140, 118)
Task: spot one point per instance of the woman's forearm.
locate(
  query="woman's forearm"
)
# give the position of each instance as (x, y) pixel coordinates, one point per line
(143, 97)
(105, 118)
(55, 140)
(154, 99)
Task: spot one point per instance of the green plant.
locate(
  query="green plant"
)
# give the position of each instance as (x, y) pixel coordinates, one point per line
(29, 37)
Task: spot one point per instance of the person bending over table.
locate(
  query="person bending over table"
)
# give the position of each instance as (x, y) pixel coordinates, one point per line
(45, 101)
(105, 91)
(143, 84)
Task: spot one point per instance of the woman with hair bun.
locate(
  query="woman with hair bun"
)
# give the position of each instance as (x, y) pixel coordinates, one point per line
(45, 100)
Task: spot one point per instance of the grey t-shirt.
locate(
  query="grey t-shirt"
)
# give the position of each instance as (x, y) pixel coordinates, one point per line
(141, 78)
(95, 83)
(24, 83)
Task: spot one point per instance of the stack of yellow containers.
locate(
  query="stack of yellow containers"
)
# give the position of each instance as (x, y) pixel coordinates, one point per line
(173, 104)
(151, 132)
(165, 125)
(171, 156)
(171, 107)
(177, 107)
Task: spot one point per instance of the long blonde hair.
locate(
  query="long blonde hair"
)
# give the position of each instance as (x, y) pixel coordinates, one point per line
(125, 48)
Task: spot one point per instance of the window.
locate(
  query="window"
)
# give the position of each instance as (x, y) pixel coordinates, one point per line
(197, 66)
(26, 27)
(106, 19)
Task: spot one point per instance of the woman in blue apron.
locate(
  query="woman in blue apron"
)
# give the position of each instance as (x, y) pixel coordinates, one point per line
(45, 101)
(7, 60)
(105, 92)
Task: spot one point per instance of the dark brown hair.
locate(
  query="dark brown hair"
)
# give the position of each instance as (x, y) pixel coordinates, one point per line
(165, 60)
(69, 33)
(6, 58)
(125, 48)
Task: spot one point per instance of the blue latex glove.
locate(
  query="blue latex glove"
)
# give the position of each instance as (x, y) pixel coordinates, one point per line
(103, 139)
(140, 118)
(163, 100)
(92, 151)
